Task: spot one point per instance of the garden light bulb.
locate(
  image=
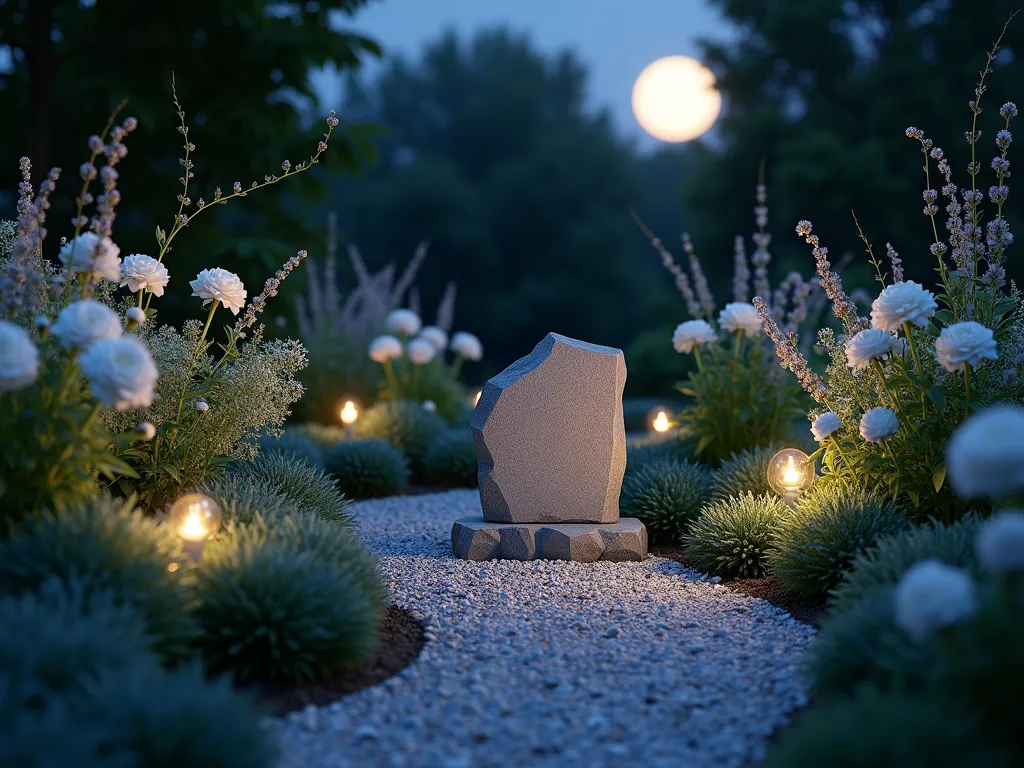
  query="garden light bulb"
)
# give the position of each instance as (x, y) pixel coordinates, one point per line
(661, 422)
(195, 518)
(790, 474)
(349, 414)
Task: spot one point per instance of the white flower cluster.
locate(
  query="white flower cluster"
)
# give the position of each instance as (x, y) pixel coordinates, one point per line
(985, 455)
(91, 255)
(424, 347)
(692, 334)
(144, 273)
(220, 285)
(740, 317)
(19, 358)
(824, 425)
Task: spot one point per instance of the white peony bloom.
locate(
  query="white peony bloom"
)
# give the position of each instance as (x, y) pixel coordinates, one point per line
(121, 373)
(384, 348)
(404, 321)
(467, 346)
(968, 342)
(19, 358)
(985, 455)
(83, 322)
(825, 425)
(220, 285)
(931, 596)
(430, 405)
(142, 272)
(145, 431)
(999, 543)
(202, 406)
(420, 351)
(692, 334)
(870, 344)
(740, 316)
(90, 253)
(135, 315)
(902, 303)
(877, 424)
(436, 336)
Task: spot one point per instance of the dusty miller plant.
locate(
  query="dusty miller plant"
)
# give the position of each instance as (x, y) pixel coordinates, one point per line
(900, 382)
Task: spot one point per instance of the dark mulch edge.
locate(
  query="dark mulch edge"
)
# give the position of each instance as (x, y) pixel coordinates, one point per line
(401, 638)
(807, 610)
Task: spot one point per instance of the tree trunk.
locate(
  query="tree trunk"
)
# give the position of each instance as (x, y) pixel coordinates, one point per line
(39, 60)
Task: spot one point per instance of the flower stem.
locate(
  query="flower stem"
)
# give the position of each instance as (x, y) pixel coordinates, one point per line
(457, 366)
(739, 345)
(696, 355)
(885, 385)
(209, 319)
(967, 388)
(842, 455)
(917, 368)
(389, 373)
(141, 291)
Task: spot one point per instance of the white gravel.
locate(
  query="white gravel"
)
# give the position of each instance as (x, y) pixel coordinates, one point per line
(556, 664)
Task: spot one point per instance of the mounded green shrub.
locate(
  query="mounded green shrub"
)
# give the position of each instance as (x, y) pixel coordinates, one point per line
(862, 644)
(55, 638)
(292, 443)
(450, 462)
(173, 719)
(654, 448)
(271, 615)
(817, 541)
(882, 565)
(323, 436)
(302, 483)
(666, 496)
(404, 424)
(55, 737)
(111, 549)
(242, 497)
(368, 469)
(731, 537)
(744, 472)
(888, 730)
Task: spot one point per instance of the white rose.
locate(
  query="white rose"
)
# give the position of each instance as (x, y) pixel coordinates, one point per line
(90, 253)
(121, 373)
(436, 336)
(740, 316)
(19, 358)
(220, 285)
(968, 342)
(902, 303)
(824, 425)
(430, 405)
(985, 455)
(404, 321)
(692, 334)
(420, 351)
(870, 344)
(202, 406)
(930, 596)
(467, 346)
(878, 424)
(384, 348)
(999, 543)
(142, 272)
(84, 322)
(145, 431)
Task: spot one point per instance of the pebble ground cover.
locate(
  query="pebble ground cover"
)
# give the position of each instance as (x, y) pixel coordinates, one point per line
(552, 663)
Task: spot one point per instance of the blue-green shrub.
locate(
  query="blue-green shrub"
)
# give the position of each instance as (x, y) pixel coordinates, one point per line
(302, 483)
(367, 469)
(731, 537)
(406, 425)
(292, 443)
(666, 496)
(744, 472)
(450, 462)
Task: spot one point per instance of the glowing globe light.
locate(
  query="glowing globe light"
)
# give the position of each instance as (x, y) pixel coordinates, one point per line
(790, 473)
(195, 518)
(661, 422)
(349, 413)
(675, 99)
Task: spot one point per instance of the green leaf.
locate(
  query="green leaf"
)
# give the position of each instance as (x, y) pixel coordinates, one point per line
(703, 443)
(943, 317)
(939, 477)
(938, 396)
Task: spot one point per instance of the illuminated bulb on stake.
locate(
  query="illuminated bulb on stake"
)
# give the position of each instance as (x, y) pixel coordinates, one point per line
(349, 414)
(661, 422)
(195, 518)
(790, 474)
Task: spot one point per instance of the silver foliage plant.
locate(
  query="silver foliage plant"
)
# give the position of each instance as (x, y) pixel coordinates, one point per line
(337, 328)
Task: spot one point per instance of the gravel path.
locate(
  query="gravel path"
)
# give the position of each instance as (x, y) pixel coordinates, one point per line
(556, 664)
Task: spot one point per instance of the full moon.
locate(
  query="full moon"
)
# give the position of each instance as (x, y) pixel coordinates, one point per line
(675, 99)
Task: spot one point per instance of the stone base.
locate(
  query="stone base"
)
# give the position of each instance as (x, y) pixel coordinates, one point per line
(475, 539)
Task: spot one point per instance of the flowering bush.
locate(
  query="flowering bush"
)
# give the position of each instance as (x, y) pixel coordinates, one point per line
(92, 386)
(900, 382)
(738, 400)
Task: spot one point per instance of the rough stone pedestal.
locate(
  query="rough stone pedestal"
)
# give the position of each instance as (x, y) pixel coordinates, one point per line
(473, 538)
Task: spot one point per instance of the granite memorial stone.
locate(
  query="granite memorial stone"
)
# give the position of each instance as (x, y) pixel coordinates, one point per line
(551, 452)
